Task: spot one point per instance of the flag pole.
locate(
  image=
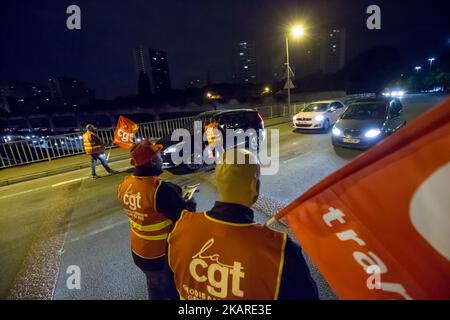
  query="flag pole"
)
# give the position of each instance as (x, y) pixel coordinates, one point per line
(109, 152)
(270, 221)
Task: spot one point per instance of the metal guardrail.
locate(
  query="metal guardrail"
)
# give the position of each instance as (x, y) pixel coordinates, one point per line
(270, 112)
(32, 149)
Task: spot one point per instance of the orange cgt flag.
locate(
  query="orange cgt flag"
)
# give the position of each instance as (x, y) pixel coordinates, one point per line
(125, 132)
(379, 228)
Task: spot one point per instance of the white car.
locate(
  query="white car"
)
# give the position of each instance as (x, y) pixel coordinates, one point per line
(319, 115)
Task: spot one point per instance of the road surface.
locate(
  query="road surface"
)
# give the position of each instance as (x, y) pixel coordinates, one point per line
(49, 224)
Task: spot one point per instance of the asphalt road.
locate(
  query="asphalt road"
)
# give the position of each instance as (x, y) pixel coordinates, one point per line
(49, 224)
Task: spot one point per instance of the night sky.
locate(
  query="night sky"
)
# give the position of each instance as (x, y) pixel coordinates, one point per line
(198, 35)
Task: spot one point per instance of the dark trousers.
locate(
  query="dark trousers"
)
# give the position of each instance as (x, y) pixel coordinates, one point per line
(102, 158)
(158, 281)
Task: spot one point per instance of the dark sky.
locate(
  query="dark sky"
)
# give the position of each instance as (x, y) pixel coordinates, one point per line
(198, 35)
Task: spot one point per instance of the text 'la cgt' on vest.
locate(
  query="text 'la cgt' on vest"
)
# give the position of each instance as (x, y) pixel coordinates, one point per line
(213, 259)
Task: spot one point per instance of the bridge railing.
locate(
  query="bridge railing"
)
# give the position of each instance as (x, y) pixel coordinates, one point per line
(35, 149)
(269, 112)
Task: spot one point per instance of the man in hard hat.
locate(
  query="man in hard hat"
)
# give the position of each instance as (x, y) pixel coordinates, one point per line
(153, 206)
(224, 254)
(94, 147)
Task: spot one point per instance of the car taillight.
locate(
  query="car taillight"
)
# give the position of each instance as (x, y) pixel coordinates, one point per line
(262, 120)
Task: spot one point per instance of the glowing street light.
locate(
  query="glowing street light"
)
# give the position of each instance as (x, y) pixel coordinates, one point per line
(214, 98)
(431, 61)
(418, 68)
(266, 90)
(296, 32)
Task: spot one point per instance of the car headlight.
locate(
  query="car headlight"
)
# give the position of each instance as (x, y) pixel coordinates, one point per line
(170, 149)
(294, 118)
(372, 133)
(337, 131)
(319, 117)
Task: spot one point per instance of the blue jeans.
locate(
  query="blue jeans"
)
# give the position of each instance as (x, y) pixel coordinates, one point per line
(103, 161)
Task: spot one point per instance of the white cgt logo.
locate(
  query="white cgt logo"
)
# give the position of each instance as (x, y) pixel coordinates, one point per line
(125, 136)
(430, 210)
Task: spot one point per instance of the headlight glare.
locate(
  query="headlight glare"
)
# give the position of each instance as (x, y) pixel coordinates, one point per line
(170, 150)
(372, 133)
(337, 131)
(319, 117)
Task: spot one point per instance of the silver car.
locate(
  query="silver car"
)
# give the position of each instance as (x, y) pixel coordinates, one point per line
(319, 115)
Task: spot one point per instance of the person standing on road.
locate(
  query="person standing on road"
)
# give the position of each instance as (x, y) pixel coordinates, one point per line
(214, 139)
(94, 147)
(225, 254)
(152, 205)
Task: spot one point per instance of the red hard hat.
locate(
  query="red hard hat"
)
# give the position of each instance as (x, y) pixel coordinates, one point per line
(144, 152)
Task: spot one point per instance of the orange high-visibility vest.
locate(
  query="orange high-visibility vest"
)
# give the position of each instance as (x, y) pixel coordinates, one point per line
(213, 259)
(92, 144)
(148, 227)
(212, 134)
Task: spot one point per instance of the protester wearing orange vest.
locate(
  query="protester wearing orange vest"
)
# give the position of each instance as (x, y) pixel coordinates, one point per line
(214, 138)
(225, 254)
(152, 206)
(93, 146)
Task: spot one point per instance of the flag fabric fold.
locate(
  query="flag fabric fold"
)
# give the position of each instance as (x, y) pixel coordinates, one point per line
(124, 135)
(379, 228)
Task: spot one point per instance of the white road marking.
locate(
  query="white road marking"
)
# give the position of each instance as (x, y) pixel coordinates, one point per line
(24, 192)
(53, 185)
(296, 158)
(67, 182)
(100, 230)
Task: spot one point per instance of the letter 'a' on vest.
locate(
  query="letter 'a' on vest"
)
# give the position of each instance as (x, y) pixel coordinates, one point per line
(148, 228)
(92, 145)
(213, 259)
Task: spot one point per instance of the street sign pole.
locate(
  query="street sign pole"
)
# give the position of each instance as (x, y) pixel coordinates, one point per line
(288, 75)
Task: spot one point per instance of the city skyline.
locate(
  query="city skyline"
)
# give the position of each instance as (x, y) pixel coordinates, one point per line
(200, 40)
(245, 62)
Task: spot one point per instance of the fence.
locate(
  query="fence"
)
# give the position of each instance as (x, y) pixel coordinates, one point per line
(37, 149)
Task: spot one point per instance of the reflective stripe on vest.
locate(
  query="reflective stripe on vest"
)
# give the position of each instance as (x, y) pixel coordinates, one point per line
(214, 259)
(90, 144)
(148, 228)
(151, 227)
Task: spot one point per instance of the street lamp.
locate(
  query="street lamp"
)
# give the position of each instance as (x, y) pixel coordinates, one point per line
(296, 32)
(266, 90)
(431, 61)
(418, 68)
(214, 98)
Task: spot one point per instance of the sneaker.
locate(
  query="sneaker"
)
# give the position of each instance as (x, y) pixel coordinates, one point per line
(94, 177)
(111, 172)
